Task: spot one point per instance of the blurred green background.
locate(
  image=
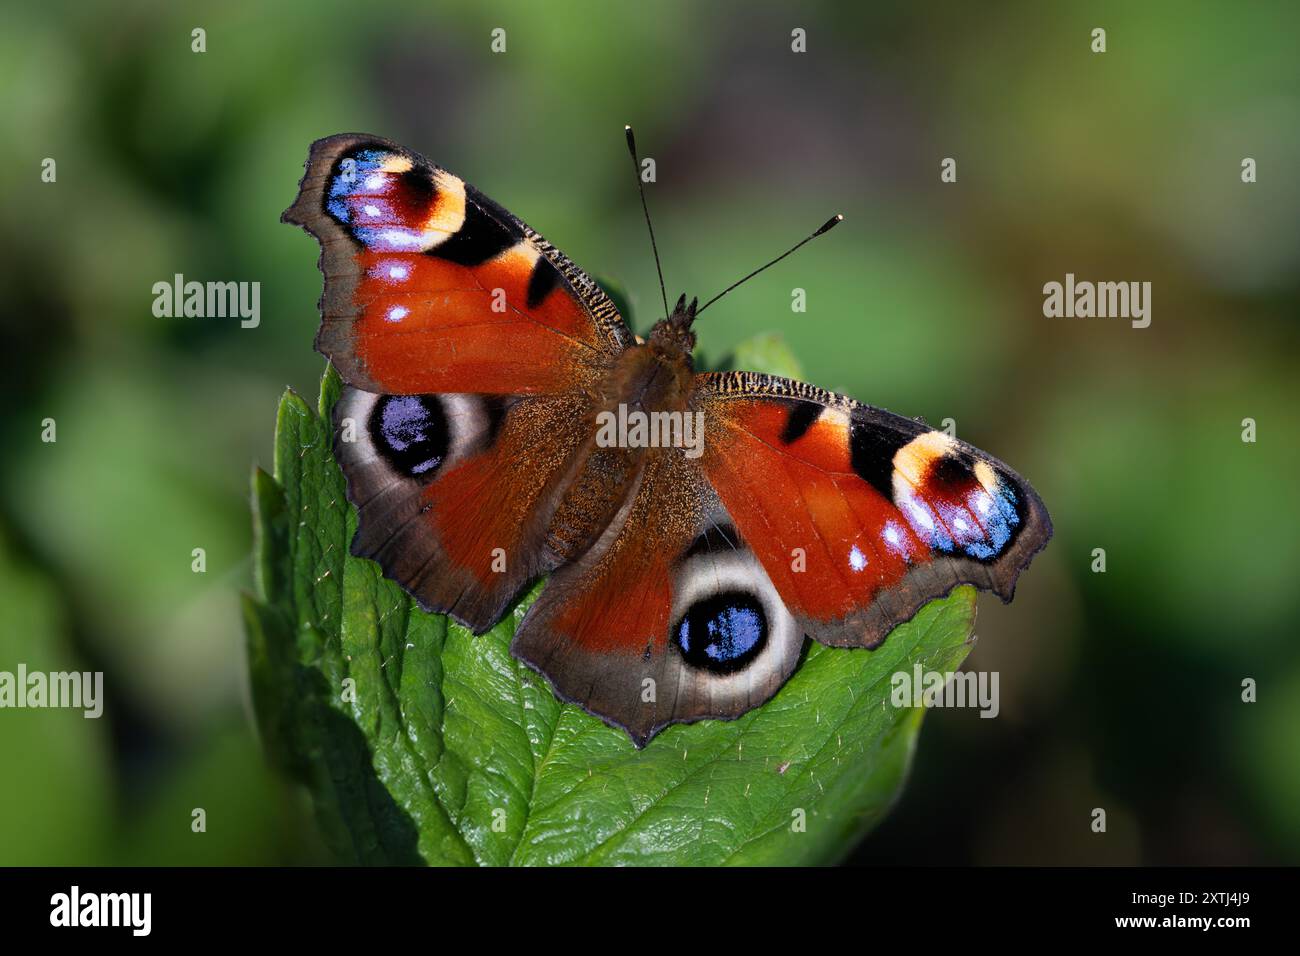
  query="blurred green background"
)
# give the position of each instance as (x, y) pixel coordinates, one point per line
(1119, 690)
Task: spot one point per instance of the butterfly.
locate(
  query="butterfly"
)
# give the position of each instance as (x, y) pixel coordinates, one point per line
(481, 370)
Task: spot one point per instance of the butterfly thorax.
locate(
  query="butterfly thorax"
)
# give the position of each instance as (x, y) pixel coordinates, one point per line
(653, 377)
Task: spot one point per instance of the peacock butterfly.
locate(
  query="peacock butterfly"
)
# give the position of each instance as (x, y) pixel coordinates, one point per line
(508, 425)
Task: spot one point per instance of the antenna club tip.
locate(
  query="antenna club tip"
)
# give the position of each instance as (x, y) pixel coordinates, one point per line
(831, 223)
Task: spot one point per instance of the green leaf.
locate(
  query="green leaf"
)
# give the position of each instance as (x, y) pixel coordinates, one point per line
(421, 743)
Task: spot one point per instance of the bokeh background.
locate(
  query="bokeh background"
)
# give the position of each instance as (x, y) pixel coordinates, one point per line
(1119, 690)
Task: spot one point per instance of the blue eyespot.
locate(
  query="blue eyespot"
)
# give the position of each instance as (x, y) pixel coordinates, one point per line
(410, 432)
(723, 633)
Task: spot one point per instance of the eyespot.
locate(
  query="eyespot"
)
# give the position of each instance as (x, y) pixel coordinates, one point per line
(955, 502)
(722, 633)
(410, 431)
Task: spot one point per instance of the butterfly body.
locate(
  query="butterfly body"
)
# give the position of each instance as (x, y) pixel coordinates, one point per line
(689, 555)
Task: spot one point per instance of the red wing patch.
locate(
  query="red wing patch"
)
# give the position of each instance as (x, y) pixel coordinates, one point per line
(832, 542)
(432, 287)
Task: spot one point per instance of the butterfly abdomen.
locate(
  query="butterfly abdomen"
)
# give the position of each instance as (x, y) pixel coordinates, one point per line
(640, 406)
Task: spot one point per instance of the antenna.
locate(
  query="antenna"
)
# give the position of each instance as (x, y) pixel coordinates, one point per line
(830, 224)
(636, 166)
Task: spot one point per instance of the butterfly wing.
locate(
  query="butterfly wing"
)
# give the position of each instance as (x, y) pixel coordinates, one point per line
(860, 516)
(669, 618)
(432, 287)
(807, 514)
(469, 345)
(454, 491)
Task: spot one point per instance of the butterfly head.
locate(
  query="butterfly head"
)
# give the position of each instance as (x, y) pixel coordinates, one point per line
(675, 331)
